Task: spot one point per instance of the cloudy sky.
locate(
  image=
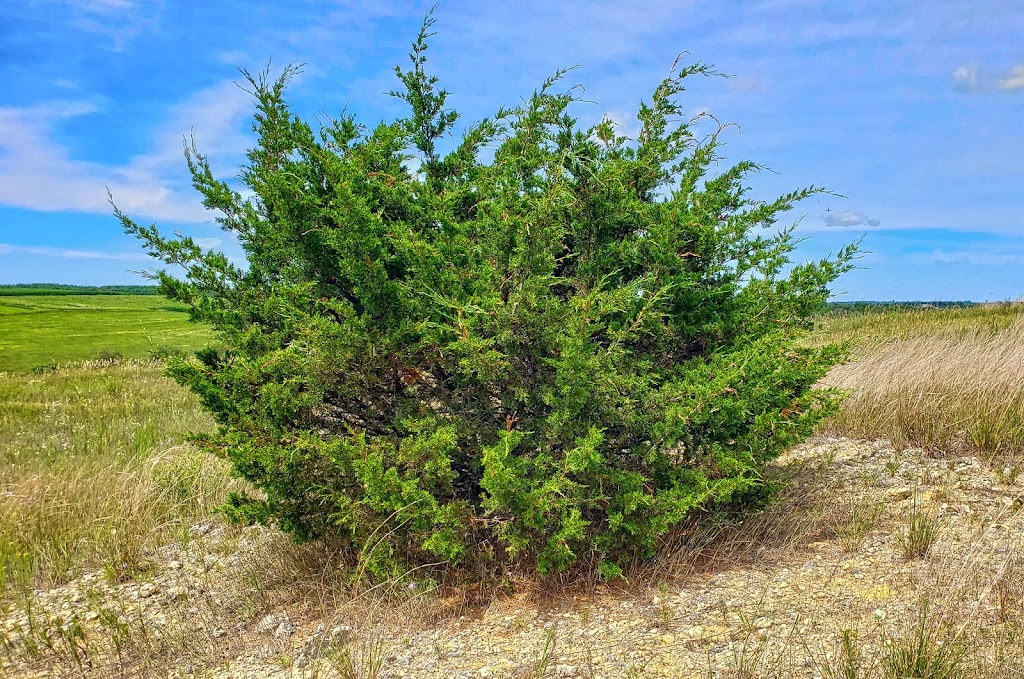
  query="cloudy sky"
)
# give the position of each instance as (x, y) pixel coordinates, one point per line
(911, 110)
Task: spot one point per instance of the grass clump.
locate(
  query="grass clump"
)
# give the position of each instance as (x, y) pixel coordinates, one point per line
(363, 659)
(852, 528)
(920, 533)
(924, 652)
(848, 663)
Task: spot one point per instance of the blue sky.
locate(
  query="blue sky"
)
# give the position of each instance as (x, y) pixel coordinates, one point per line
(911, 110)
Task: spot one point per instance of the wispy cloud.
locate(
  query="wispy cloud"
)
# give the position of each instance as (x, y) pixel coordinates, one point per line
(7, 249)
(119, 20)
(965, 78)
(235, 57)
(973, 258)
(1014, 80)
(38, 173)
(808, 33)
(848, 218)
(208, 243)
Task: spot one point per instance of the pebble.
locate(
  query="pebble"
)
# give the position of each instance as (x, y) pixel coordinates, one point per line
(148, 589)
(268, 624)
(898, 494)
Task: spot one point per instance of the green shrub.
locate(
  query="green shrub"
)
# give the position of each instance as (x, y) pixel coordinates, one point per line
(164, 352)
(548, 345)
(109, 356)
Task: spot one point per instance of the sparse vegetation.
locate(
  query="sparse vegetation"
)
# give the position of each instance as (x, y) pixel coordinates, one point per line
(847, 662)
(539, 669)
(851, 528)
(362, 660)
(92, 472)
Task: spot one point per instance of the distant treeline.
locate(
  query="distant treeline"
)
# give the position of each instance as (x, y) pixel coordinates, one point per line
(860, 307)
(59, 289)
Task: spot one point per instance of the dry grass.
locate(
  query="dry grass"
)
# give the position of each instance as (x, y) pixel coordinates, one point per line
(944, 380)
(93, 473)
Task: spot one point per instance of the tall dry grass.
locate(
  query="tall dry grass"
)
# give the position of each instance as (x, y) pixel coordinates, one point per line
(93, 473)
(944, 380)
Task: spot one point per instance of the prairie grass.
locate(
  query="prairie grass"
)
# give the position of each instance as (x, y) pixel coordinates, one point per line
(92, 470)
(923, 652)
(942, 379)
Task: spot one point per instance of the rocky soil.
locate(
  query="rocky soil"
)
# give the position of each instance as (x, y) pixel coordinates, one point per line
(772, 596)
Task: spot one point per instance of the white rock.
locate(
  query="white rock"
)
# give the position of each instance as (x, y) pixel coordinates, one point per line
(177, 593)
(268, 624)
(897, 494)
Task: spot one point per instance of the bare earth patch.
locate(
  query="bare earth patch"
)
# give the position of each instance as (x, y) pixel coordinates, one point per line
(822, 582)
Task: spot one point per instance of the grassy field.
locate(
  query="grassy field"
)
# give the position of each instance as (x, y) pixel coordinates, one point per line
(40, 330)
(93, 473)
(942, 379)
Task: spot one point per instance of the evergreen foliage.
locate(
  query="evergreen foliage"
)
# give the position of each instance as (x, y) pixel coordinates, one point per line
(548, 345)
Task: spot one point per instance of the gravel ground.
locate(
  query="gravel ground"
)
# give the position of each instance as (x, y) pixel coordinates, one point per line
(769, 597)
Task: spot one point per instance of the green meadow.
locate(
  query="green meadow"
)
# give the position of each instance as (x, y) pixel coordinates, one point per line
(45, 330)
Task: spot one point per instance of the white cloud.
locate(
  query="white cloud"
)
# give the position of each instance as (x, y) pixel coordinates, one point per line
(1013, 81)
(974, 258)
(106, 6)
(68, 253)
(965, 78)
(233, 57)
(748, 84)
(207, 243)
(37, 173)
(848, 218)
(120, 20)
(808, 33)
